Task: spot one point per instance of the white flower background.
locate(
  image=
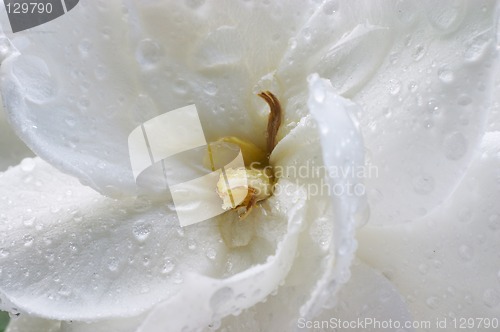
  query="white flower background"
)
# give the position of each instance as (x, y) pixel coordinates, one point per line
(407, 86)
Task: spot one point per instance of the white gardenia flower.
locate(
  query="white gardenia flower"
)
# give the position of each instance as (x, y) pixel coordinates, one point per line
(400, 86)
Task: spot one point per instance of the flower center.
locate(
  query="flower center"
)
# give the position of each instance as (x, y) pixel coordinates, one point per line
(241, 189)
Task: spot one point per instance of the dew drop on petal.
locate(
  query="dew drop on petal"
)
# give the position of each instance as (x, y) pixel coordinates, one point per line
(168, 266)
(446, 15)
(148, 54)
(28, 240)
(211, 89)
(28, 165)
(113, 264)
(405, 11)
(5, 253)
(445, 75)
(394, 86)
(84, 47)
(221, 297)
(432, 302)
(211, 253)
(418, 52)
(141, 230)
(330, 7)
(491, 298)
(223, 46)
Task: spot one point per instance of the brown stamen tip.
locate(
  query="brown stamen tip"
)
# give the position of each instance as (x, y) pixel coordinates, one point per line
(274, 121)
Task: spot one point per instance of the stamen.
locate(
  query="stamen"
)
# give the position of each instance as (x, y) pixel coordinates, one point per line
(274, 121)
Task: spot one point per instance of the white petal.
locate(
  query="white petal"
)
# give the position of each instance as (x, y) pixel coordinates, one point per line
(107, 69)
(370, 298)
(204, 300)
(68, 253)
(447, 265)
(326, 245)
(26, 323)
(12, 149)
(423, 75)
(342, 149)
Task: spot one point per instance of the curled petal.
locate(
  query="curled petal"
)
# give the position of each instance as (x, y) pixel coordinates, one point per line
(76, 94)
(423, 76)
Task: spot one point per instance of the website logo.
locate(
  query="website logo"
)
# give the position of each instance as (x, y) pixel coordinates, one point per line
(175, 145)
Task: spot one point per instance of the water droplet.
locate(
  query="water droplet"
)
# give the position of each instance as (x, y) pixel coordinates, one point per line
(418, 52)
(85, 47)
(73, 247)
(83, 103)
(70, 122)
(491, 298)
(168, 266)
(422, 268)
(4, 253)
(29, 221)
(221, 47)
(446, 75)
(211, 253)
(177, 278)
(28, 165)
(413, 86)
(191, 244)
(405, 11)
(64, 291)
(221, 298)
(394, 86)
(447, 15)
(465, 252)
(423, 184)
(454, 146)
(211, 89)
(113, 264)
(432, 302)
(141, 230)
(28, 240)
(146, 260)
(148, 54)
(330, 7)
